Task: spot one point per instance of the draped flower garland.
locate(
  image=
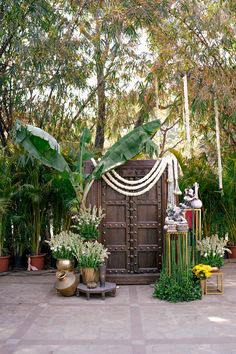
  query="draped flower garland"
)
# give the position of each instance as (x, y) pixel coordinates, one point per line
(144, 184)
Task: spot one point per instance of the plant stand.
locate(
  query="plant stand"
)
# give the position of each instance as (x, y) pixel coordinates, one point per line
(176, 249)
(214, 284)
(194, 218)
(108, 288)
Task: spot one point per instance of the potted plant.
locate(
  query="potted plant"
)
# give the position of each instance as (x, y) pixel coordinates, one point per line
(231, 235)
(202, 272)
(20, 233)
(90, 255)
(63, 246)
(87, 222)
(5, 203)
(33, 190)
(212, 250)
(4, 257)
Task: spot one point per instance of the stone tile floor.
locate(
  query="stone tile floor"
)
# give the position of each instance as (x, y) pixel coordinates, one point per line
(35, 320)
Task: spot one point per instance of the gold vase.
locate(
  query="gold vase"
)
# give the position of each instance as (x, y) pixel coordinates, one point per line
(90, 275)
(65, 265)
(66, 283)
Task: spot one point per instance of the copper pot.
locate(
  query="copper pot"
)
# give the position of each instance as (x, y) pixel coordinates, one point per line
(66, 283)
(65, 264)
(90, 275)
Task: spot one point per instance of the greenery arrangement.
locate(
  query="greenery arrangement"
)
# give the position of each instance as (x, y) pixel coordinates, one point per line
(88, 221)
(212, 250)
(202, 271)
(219, 208)
(90, 254)
(178, 287)
(64, 244)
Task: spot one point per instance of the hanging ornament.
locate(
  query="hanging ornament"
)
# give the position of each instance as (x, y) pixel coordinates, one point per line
(218, 143)
(177, 190)
(186, 116)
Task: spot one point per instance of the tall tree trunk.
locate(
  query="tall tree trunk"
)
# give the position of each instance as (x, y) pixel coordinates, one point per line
(101, 99)
(101, 105)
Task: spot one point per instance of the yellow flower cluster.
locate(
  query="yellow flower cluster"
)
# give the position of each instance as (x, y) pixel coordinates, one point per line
(202, 271)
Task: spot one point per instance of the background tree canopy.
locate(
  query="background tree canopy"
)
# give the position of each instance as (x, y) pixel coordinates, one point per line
(110, 65)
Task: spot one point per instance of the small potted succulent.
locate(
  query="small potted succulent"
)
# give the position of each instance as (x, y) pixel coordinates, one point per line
(90, 256)
(63, 247)
(212, 250)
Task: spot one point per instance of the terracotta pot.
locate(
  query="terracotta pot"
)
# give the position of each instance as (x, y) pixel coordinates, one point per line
(66, 283)
(90, 275)
(65, 264)
(233, 250)
(4, 263)
(38, 261)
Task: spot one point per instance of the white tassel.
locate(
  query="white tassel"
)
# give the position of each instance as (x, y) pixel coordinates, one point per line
(218, 143)
(186, 114)
(177, 190)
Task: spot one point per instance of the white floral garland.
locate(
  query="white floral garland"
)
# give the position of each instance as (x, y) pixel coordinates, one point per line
(150, 181)
(127, 181)
(141, 185)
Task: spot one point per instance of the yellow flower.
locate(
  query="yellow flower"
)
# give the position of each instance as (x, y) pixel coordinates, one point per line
(202, 271)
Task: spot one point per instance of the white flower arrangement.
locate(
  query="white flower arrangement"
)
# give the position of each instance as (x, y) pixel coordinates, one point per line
(63, 245)
(91, 254)
(212, 250)
(88, 221)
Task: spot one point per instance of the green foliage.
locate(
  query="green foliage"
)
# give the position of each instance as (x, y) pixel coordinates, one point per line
(127, 147)
(219, 211)
(177, 287)
(213, 260)
(40, 145)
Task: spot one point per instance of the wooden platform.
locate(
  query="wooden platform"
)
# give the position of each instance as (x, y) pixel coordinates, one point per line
(108, 288)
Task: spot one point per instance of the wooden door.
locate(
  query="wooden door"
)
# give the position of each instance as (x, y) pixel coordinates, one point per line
(132, 229)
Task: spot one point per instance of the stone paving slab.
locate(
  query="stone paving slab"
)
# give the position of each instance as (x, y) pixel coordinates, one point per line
(36, 320)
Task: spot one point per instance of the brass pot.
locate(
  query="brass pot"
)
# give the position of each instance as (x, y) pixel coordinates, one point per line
(65, 264)
(90, 275)
(66, 283)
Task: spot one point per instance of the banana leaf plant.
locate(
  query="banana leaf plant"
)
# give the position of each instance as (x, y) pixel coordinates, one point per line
(43, 147)
(40, 145)
(125, 149)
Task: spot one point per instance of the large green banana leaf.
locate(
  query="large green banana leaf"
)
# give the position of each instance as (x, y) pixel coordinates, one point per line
(40, 145)
(126, 148)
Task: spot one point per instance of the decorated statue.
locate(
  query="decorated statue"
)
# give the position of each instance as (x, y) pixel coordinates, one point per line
(175, 220)
(191, 199)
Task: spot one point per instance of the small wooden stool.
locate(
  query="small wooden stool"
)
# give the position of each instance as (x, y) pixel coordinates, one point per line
(108, 288)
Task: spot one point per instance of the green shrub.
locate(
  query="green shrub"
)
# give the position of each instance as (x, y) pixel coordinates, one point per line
(178, 287)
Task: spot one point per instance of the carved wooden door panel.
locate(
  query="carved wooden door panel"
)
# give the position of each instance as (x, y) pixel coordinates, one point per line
(132, 228)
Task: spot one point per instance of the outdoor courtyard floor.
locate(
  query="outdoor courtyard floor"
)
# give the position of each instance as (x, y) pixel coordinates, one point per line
(34, 319)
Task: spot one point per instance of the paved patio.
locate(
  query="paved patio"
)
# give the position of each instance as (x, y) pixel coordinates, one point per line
(34, 319)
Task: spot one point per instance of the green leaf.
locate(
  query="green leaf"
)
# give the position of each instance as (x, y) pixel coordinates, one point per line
(84, 154)
(40, 145)
(126, 148)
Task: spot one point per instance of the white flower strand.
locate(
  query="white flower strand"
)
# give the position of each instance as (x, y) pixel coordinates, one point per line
(135, 193)
(127, 181)
(122, 191)
(142, 185)
(177, 190)
(171, 199)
